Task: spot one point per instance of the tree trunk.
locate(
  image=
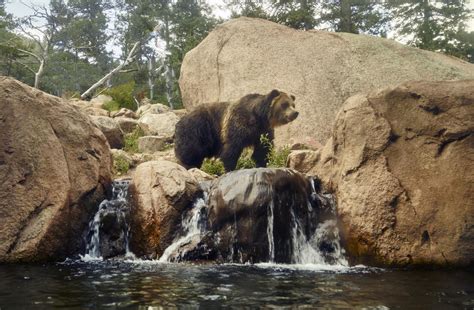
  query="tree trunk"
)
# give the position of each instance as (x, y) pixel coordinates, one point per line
(345, 25)
(39, 74)
(130, 58)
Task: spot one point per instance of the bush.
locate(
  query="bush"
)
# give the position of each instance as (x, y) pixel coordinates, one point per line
(131, 140)
(123, 95)
(276, 157)
(213, 166)
(245, 160)
(111, 106)
(121, 165)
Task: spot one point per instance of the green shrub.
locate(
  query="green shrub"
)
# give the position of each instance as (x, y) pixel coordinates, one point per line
(121, 165)
(123, 95)
(111, 106)
(213, 166)
(245, 160)
(131, 140)
(276, 157)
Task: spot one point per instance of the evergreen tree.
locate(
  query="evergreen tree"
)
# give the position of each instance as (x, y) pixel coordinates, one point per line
(87, 28)
(430, 24)
(299, 14)
(355, 16)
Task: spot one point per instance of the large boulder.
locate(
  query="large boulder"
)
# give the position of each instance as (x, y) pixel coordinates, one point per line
(401, 163)
(160, 192)
(322, 69)
(159, 124)
(54, 167)
(111, 129)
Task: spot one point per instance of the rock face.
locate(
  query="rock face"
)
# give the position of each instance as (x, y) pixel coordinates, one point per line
(259, 215)
(239, 206)
(401, 163)
(111, 130)
(322, 69)
(54, 166)
(161, 191)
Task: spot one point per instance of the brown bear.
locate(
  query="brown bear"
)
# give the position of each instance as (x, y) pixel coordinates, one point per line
(224, 129)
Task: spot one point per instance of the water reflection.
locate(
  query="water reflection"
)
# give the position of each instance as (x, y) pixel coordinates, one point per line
(131, 285)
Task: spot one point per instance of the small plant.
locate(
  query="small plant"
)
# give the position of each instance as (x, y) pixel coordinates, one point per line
(213, 166)
(121, 165)
(276, 158)
(131, 140)
(245, 160)
(111, 106)
(123, 95)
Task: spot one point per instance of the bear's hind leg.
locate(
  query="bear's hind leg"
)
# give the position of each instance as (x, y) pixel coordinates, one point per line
(229, 156)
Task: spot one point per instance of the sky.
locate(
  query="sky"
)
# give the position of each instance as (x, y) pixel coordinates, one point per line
(17, 8)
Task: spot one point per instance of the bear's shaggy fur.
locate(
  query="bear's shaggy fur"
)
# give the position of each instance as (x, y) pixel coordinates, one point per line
(224, 129)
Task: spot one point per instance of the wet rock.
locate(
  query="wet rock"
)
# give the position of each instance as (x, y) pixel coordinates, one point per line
(159, 124)
(111, 130)
(161, 191)
(322, 69)
(400, 162)
(256, 215)
(54, 168)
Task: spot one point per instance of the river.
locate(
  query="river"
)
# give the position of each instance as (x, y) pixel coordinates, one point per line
(152, 285)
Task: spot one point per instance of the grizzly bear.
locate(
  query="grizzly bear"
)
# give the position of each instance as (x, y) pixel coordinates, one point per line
(224, 129)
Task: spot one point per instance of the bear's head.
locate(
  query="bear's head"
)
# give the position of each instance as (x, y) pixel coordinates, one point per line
(282, 108)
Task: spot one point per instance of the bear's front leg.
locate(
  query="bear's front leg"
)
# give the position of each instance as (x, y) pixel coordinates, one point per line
(230, 155)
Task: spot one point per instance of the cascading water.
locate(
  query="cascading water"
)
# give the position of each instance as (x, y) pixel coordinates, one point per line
(109, 229)
(307, 242)
(193, 226)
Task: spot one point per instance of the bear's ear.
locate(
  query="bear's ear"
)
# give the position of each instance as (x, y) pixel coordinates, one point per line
(273, 94)
(293, 97)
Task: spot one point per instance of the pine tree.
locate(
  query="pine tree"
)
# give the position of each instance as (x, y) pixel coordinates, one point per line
(430, 24)
(355, 16)
(298, 14)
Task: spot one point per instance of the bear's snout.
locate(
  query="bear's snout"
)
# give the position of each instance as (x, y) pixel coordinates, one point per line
(294, 115)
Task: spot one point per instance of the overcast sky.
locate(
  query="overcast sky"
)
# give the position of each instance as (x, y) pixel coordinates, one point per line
(18, 9)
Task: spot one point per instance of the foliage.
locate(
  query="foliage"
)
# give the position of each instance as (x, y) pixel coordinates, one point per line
(121, 165)
(436, 25)
(131, 140)
(213, 166)
(355, 16)
(299, 14)
(276, 158)
(245, 160)
(111, 106)
(123, 95)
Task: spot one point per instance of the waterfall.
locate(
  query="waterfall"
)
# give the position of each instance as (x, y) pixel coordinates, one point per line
(309, 243)
(109, 230)
(271, 241)
(192, 227)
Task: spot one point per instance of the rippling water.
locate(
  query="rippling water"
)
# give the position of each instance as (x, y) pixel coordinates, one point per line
(147, 285)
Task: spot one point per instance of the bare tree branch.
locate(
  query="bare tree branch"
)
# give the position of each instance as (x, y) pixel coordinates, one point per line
(130, 58)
